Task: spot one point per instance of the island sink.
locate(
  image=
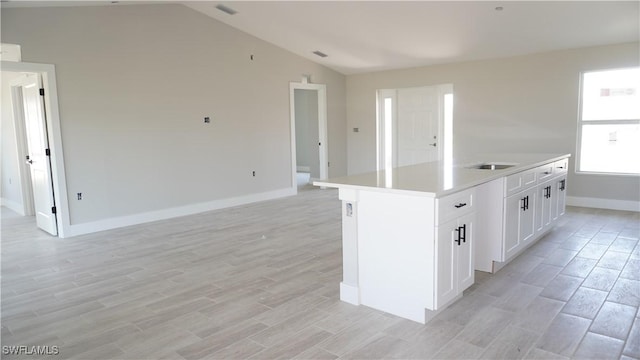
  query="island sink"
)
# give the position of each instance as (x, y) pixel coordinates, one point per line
(491, 166)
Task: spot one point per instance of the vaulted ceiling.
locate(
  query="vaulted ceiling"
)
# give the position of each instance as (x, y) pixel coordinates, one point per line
(365, 36)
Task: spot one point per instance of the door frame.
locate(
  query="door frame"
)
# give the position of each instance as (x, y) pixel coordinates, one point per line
(323, 150)
(17, 102)
(441, 90)
(49, 83)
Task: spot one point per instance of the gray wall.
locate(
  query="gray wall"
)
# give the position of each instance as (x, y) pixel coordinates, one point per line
(519, 104)
(134, 83)
(307, 131)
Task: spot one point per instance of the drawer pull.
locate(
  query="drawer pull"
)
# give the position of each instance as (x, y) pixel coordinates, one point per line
(460, 205)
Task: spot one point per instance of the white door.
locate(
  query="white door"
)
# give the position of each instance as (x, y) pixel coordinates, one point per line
(417, 128)
(411, 124)
(38, 159)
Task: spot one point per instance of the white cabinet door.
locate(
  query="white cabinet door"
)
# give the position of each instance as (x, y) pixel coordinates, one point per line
(446, 264)
(561, 198)
(455, 260)
(466, 252)
(519, 222)
(546, 202)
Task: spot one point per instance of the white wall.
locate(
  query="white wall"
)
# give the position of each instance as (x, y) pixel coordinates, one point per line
(11, 192)
(307, 131)
(520, 104)
(134, 84)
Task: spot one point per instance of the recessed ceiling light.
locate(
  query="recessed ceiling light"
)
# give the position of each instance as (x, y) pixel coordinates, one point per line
(226, 9)
(320, 53)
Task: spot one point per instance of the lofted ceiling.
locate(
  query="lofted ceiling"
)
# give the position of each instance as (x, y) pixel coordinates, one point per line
(365, 36)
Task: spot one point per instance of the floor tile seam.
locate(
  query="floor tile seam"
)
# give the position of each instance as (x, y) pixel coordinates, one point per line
(582, 317)
(495, 339)
(362, 343)
(609, 336)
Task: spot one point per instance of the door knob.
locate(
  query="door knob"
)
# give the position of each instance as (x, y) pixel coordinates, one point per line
(29, 161)
(434, 144)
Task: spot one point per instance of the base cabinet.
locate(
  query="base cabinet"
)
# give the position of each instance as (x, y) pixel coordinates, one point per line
(455, 259)
(561, 198)
(517, 210)
(546, 206)
(519, 222)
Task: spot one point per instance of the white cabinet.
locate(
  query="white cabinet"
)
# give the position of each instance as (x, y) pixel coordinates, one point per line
(454, 260)
(516, 211)
(519, 222)
(560, 203)
(547, 206)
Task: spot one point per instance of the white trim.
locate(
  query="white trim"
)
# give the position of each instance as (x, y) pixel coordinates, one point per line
(322, 129)
(141, 218)
(13, 205)
(303, 169)
(26, 188)
(48, 72)
(598, 203)
(349, 294)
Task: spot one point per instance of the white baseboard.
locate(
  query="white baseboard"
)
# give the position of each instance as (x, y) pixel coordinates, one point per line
(122, 221)
(349, 294)
(13, 205)
(598, 203)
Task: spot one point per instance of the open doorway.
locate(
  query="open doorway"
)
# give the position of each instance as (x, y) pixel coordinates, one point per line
(33, 181)
(309, 133)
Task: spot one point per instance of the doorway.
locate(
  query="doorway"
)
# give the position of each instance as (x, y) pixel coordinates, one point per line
(41, 175)
(412, 125)
(38, 187)
(309, 133)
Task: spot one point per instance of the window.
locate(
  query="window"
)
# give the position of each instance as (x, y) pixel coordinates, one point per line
(609, 122)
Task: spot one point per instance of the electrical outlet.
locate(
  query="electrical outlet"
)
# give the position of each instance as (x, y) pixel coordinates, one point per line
(254, 173)
(207, 119)
(79, 196)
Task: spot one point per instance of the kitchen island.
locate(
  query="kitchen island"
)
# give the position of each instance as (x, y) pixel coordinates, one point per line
(413, 236)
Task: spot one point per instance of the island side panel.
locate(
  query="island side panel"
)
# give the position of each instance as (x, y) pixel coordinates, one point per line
(396, 253)
(349, 291)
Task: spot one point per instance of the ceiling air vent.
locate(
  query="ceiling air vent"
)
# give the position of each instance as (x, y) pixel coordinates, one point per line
(226, 9)
(320, 53)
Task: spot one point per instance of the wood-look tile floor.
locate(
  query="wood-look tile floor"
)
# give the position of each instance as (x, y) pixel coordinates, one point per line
(261, 282)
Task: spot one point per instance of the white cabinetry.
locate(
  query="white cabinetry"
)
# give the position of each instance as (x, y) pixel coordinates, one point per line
(454, 259)
(518, 210)
(519, 222)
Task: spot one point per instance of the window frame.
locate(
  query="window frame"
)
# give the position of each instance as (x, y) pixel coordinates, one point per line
(581, 124)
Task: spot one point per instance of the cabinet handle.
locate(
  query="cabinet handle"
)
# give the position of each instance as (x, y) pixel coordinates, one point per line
(547, 172)
(562, 185)
(460, 205)
(525, 203)
(461, 233)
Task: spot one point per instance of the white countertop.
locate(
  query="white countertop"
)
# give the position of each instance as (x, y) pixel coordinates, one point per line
(438, 178)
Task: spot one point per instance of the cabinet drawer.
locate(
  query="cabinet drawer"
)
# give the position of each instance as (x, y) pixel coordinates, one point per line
(545, 172)
(561, 167)
(454, 205)
(520, 181)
